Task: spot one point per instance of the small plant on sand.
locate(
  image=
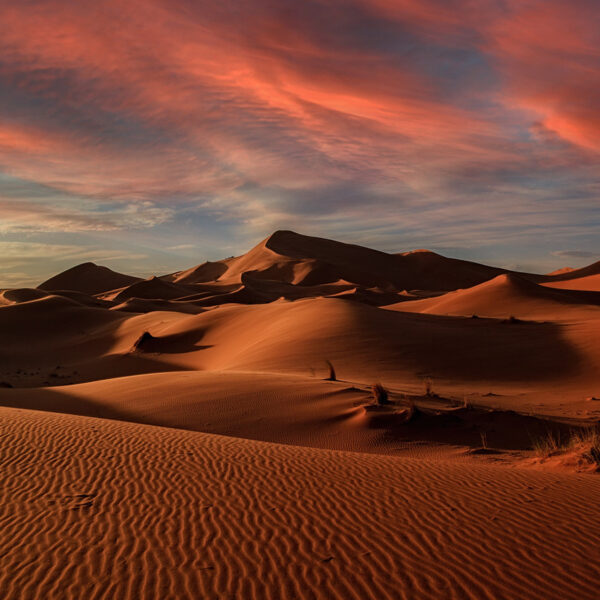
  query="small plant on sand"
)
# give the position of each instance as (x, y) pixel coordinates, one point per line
(380, 394)
(588, 440)
(585, 442)
(512, 320)
(547, 444)
(428, 383)
(483, 437)
(332, 376)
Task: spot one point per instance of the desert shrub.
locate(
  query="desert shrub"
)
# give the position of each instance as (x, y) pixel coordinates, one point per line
(332, 375)
(589, 441)
(380, 394)
(512, 320)
(586, 441)
(428, 384)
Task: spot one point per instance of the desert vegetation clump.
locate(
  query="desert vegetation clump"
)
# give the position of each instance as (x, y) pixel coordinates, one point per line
(586, 442)
(547, 444)
(512, 320)
(428, 384)
(332, 375)
(380, 394)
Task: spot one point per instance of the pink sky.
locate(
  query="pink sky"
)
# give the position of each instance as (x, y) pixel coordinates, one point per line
(150, 133)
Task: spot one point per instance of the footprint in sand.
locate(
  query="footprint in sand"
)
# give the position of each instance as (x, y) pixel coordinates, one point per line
(79, 501)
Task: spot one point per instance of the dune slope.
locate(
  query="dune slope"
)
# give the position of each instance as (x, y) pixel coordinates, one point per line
(589, 283)
(508, 295)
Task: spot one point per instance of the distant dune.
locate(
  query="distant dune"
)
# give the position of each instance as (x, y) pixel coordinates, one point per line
(89, 279)
(510, 295)
(291, 258)
(215, 433)
(587, 282)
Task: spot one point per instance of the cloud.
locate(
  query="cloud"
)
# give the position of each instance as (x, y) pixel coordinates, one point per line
(456, 122)
(26, 251)
(182, 247)
(576, 254)
(27, 207)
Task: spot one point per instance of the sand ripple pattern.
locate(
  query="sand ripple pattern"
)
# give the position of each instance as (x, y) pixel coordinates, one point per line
(101, 509)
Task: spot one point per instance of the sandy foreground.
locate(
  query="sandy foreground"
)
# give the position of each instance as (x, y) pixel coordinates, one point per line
(179, 437)
(102, 509)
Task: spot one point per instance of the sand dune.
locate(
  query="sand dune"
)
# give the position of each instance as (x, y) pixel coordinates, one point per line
(471, 475)
(119, 510)
(150, 289)
(365, 343)
(145, 305)
(16, 296)
(565, 275)
(208, 271)
(302, 411)
(588, 282)
(291, 258)
(89, 279)
(508, 295)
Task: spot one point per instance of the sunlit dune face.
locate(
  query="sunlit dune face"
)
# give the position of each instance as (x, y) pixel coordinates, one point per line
(402, 114)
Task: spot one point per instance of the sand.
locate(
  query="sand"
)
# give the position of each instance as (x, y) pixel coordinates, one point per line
(104, 509)
(180, 437)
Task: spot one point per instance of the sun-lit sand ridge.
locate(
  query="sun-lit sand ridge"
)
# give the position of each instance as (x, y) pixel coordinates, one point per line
(178, 437)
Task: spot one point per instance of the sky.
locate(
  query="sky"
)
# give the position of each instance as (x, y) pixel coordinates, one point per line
(152, 135)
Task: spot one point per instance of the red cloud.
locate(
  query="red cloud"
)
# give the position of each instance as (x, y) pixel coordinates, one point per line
(210, 95)
(549, 52)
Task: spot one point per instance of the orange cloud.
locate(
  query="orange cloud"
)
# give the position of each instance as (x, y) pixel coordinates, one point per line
(549, 53)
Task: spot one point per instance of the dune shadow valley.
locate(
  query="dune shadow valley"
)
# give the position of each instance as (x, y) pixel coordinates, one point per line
(309, 420)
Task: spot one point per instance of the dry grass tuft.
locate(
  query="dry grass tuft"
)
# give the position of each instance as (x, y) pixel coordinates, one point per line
(332, 375)
(588, 440)
(585, 441)
(547, 445)
(380, 394)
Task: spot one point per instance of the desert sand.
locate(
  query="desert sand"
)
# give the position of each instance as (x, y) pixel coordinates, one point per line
(182, 436)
